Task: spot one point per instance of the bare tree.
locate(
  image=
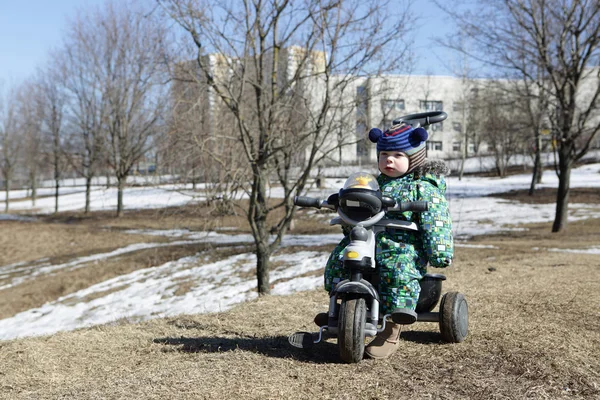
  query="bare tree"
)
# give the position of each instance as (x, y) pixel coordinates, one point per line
(286, 71)
(502, 127)
(530, 95)
(466, 123)
(10, 140)
(561, 38)
(119, 91)
(30, 114)
(52, 98)
(86, 102)
(131, 70)
(197, 153)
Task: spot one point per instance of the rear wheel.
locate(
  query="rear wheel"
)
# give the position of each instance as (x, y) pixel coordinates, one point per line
(454, 317)
(351, 335)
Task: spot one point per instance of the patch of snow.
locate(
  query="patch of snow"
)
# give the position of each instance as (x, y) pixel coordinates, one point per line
(591, 250)
(475, 246)
(151, 292)
(15, 217)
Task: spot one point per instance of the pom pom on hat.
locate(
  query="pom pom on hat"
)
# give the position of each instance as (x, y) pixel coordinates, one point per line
(418, 136)
(375, 134)
(401, 137)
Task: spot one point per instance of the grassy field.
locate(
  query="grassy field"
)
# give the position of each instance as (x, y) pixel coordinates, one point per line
(534, 326)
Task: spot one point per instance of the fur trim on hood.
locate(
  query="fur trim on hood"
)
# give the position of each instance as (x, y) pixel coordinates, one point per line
(434, 167)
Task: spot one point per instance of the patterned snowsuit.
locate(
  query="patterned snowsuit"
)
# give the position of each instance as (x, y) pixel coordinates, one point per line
(402, 256)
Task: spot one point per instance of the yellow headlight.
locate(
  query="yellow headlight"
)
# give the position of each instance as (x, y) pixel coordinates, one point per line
(352, 254)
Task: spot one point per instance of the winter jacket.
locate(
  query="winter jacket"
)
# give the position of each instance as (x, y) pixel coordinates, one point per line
(403, 256)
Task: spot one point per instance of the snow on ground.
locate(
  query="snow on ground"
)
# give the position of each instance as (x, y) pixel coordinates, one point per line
(152, 292)
(473, 213)
(591, 250)
(13, 217)
(15, 274)
(41, 192)
(143, 197)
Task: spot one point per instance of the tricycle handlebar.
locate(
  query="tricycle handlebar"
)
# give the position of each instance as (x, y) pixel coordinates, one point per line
(422, 119)
(305, 201)
(416, 206)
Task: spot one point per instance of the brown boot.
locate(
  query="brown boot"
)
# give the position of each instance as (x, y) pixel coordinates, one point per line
(386, 342)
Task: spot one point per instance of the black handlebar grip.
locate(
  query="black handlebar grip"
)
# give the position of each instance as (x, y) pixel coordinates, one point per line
(416, 206)
(304, 201)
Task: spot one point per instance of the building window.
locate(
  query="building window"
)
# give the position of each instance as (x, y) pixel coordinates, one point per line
(431, 105)
(438, 127)
(456, 146)
(361, 102)
(362, 148)
(392, 106)
(457, 126)
(457, 106)
(435, 146)
(472, 148)
(361, 129)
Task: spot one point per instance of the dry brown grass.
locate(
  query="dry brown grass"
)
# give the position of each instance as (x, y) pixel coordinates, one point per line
(29, 241)
(534, 333)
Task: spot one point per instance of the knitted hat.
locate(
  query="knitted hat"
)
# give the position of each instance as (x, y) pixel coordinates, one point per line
(402, 137)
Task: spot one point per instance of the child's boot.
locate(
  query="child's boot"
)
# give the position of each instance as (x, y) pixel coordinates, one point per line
(386, 342)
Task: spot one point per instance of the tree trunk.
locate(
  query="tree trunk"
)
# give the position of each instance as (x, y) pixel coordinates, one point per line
(464, 150)
(562, 196)
(537, 164)
(258, 221)
(7, 187)
(194, 176)
(262, 268)
(88, 189)
(121, 184)
(33, 191)
(56, 187)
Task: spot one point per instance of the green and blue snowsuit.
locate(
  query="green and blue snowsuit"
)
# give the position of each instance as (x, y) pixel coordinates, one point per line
(402, 256)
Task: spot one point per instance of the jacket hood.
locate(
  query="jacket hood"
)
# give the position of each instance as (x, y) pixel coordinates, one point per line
(432, 167)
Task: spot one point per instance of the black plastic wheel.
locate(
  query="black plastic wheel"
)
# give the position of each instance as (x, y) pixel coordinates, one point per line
(351, 335)
(454, 317)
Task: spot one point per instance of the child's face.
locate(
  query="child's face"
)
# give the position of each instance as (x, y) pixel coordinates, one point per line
(393, 163)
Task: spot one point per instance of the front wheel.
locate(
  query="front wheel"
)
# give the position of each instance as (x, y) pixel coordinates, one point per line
(454, 317)
(351, 334)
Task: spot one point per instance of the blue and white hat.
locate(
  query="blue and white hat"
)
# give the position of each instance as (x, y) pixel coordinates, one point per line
(401, 137)
(404, 138)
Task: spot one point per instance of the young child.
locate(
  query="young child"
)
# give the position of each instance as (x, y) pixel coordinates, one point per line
(402, 256)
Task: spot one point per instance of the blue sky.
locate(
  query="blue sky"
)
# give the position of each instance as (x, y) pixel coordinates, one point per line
(29, 29)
